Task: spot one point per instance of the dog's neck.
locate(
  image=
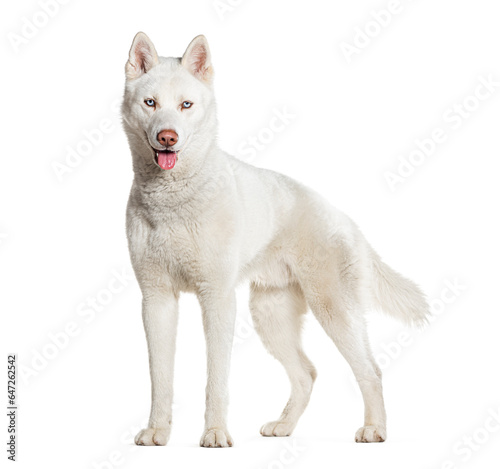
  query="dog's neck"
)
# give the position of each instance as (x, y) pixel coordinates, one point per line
(193, 177)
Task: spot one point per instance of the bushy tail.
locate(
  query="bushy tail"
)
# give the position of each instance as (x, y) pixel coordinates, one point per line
(397, 296)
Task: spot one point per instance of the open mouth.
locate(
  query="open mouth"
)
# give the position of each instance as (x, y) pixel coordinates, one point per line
(165, 159)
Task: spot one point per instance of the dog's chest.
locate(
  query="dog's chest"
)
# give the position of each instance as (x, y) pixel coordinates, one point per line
(188, 246)
(175, 246)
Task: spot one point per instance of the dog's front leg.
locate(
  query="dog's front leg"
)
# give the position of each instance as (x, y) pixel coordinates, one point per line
(219, 311)
(159, 313)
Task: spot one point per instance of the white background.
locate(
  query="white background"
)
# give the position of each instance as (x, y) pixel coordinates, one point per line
(62, 240)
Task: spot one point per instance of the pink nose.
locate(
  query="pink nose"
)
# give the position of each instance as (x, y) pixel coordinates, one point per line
(168, 138)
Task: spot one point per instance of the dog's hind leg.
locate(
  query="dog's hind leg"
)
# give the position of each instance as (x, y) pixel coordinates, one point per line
(277, 316)
(343, 321)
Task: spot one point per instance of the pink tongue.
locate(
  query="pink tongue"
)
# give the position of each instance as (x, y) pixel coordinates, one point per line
(167, 160)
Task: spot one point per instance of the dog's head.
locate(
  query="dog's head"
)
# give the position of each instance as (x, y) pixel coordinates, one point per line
(169, 108)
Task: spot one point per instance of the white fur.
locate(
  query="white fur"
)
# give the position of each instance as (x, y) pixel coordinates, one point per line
(213, 221)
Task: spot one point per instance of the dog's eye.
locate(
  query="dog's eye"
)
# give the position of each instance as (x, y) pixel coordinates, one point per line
(186, 104)
(150, 102)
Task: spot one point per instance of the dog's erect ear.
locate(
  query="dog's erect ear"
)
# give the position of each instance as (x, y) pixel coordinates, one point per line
(197, 59)
(142, 57)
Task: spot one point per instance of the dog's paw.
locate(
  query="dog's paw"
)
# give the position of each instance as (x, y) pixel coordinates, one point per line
(152, 437)
(216, 438)
(371, 434)
(277, 428)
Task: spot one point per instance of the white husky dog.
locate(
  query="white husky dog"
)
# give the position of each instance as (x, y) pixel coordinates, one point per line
(201, 221)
